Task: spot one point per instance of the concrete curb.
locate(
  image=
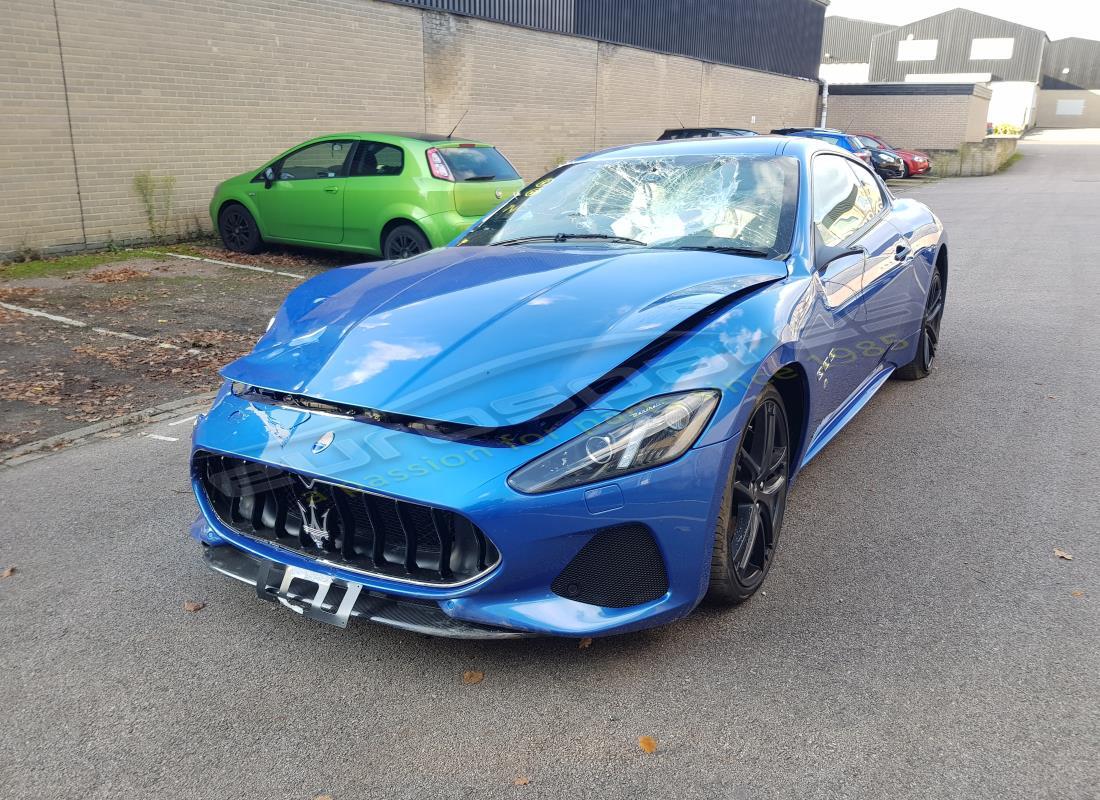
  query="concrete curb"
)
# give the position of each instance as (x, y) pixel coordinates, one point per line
(108, 428)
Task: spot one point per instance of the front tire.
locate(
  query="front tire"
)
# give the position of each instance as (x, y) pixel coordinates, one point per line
(404, 241)
(755, 498)
(905, 173)
(921, 365)
(239, 230)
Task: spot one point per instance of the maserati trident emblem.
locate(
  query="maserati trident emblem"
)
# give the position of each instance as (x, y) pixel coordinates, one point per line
(322, 444)
(316, 529)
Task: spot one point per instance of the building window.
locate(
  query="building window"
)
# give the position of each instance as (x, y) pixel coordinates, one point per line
(1070, 108)
(918, 49)
(991, 49)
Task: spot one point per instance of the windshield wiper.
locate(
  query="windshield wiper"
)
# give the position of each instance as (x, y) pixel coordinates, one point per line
(568, 237)
(733, 251)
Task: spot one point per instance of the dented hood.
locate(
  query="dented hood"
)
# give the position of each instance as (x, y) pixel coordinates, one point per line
(487, 335)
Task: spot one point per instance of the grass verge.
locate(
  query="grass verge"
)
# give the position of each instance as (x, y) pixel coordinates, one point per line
(78, 262)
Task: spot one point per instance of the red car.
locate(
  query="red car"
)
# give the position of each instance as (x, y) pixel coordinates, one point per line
(916, 162)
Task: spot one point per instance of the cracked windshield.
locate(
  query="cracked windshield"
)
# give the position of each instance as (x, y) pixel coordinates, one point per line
(736, 203)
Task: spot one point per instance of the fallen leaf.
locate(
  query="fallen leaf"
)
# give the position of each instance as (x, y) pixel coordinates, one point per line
(7, 572)
(323, 797)
(521, 781)
(1052, 397)
(1060, 553)
(647, 743)
(193, 605)
(472, 676)
(584, 643)
(1077, 593)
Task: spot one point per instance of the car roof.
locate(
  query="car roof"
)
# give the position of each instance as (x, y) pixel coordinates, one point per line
(430, 138)
(733, 145)
(703, 128)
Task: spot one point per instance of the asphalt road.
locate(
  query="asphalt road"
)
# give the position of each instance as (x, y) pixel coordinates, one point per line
(918, 637)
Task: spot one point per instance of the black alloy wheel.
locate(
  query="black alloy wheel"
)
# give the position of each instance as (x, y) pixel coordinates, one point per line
(752, 509)
(921, 365)
(238, 230)
(404, 241)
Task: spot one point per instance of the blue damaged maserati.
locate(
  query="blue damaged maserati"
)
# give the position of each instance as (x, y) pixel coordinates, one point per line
(583, 416)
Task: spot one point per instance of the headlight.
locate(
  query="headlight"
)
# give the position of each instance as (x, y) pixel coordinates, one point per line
(646, 435)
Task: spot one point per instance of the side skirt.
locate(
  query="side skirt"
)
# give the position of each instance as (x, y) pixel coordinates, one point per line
(844, 415)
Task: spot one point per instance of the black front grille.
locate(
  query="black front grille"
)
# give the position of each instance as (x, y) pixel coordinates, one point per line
(617, 568)
(343, 526)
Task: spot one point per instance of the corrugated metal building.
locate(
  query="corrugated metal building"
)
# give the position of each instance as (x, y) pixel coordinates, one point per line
(966, 47)
(1072, 64)
(779, 36)
(958, 43)
(846, 49)
(1070, 97)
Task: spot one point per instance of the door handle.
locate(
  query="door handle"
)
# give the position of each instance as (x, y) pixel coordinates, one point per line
(902, 251)
(332, 189)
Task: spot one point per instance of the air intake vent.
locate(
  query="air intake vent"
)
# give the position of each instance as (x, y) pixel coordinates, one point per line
(619, 567)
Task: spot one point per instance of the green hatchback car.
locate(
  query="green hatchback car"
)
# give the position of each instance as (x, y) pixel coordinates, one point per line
(387, 194)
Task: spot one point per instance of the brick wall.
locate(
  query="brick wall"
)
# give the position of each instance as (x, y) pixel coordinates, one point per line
(643, 93)
(38, 197)
(740, 98)
(916, 121)
(530, 93)
(204, 90)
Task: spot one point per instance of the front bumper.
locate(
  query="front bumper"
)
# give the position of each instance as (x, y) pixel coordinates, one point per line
(537, 535)
(268, 577)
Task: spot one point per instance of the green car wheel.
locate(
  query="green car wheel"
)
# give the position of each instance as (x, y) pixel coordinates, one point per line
(404, 241)
(238, 230)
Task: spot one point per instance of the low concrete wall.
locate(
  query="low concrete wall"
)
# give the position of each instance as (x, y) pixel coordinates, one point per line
(1074, 108)
(912, 115)
(973, 158)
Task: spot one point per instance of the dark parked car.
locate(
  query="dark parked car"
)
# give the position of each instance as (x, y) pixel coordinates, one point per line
(839, 138)
(887, 163)
(703, 133)
(915, 162)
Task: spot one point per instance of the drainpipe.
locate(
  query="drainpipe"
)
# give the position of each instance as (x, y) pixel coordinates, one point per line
(824, 102)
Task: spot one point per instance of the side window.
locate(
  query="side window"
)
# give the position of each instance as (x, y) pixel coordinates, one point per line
(837, 210)
(869, 198)
(321, 160)
(376, 158)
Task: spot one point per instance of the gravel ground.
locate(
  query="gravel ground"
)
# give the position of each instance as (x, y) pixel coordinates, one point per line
(918, 637)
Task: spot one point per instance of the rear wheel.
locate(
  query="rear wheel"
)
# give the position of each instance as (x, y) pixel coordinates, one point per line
(404, 241)
(239, 230)
(921, 365)
(751, 515)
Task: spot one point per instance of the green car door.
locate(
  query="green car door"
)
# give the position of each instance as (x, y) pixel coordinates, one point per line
(305, 201)
(379, 188)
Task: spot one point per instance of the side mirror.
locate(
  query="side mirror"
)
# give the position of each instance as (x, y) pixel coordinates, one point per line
(269, 177)
(827, 255)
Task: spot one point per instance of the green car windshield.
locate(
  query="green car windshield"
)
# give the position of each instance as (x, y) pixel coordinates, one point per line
(736, 202)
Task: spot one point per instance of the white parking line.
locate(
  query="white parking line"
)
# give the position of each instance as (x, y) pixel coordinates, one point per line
(75, 323)
(181, 421)
(160, 438)
(231, 264)
(34, 312)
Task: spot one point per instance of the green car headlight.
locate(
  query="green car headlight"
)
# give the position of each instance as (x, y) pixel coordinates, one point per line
(646, 435)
